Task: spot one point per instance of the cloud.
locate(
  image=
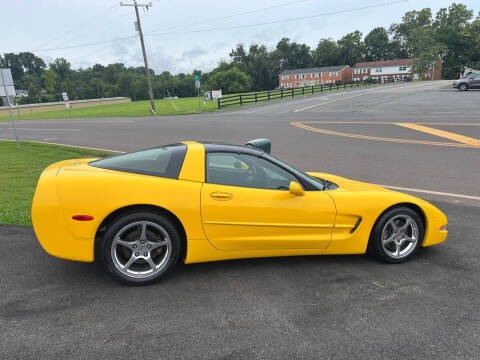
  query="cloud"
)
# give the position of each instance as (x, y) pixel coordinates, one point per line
(197, 50)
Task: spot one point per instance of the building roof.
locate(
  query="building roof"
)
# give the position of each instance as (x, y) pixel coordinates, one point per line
(314, 70)
(396, 62)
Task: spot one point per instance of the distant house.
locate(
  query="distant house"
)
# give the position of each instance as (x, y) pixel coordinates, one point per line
(298, 78)
(396, 69)
(21, 93)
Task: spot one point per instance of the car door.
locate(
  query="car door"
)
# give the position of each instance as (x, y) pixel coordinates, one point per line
(475, 82)
(246, 205)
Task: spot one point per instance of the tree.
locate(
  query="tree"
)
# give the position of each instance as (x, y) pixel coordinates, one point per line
(33, 95)
(449, 29)
(49, 80)
(351, 48)
(292, 55)
(13, 62)
(377, 45)
(426, 49)
(471, 36)
(230, 81)
(62, 67)
(32, 64)
(327, 53)
(238, 55)
(404, 33)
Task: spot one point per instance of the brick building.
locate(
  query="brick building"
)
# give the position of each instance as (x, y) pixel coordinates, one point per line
(400, 68)
(298, 78)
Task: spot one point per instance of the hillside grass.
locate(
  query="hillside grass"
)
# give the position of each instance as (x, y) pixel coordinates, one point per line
(19, 173)
(182, 106)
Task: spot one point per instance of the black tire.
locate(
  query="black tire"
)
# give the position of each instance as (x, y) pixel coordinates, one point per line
(133, 223)
(381, 252)
(463, 87)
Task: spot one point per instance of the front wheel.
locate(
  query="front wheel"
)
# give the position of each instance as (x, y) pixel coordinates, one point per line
(397, 235)
(141, 247)
(463, 87)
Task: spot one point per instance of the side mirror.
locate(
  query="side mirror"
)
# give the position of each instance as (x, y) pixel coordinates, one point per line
(296, 188)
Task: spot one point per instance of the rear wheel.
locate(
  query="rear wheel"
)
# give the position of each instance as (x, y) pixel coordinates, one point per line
(463, 87)
(140, 248)
(397, 235)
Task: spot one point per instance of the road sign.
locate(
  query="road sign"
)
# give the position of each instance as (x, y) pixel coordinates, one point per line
(197, 84)
(197, 77)
(65, 99)
(6, 83)
(8, 90)
(216, 94)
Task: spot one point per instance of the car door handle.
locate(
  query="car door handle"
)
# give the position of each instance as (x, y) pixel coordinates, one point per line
(221, 196)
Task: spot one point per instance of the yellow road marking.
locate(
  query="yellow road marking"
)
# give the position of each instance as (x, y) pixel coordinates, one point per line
(354, 96)
(377, 138)
(442, 133)
(387, 123)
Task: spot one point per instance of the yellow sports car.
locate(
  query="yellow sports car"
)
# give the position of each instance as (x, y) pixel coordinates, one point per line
(140, 212)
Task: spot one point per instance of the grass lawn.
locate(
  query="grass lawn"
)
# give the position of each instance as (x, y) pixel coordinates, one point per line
(181, 106)
(134, 108)
(19, 173)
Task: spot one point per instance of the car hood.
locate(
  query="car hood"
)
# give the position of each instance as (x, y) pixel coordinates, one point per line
(347, 184)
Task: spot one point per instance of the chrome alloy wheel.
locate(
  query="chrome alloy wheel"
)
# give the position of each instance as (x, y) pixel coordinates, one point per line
(400, 236)
(141, 249)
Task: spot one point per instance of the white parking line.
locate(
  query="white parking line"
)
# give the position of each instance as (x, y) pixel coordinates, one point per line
(461, 196)
(42, 129)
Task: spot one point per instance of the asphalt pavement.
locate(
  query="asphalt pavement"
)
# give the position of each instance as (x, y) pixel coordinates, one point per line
(332, 307)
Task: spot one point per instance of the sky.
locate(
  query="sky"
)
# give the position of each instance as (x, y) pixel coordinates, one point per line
(183, 35)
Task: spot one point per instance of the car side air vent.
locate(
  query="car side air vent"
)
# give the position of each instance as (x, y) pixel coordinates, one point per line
(356, 225)
(263, 144)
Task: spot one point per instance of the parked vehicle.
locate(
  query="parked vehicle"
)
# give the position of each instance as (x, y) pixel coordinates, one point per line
(139, 213)
(469, 72)
(471, 82)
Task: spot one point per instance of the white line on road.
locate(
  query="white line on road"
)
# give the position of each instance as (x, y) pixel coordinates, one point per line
(42, 129)
(75, 146)
(462, 196)
(254, 111)
(79, 122)
(49, 139)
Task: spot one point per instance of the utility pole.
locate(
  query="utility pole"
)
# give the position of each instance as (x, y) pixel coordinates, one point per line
(139, 28)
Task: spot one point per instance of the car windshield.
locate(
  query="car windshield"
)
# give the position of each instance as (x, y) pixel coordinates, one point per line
(318, 183)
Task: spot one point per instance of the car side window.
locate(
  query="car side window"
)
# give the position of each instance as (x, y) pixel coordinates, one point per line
(165, 161)
(246, 171)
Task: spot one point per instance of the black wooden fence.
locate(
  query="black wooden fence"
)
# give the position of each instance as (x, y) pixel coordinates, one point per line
(241, 99)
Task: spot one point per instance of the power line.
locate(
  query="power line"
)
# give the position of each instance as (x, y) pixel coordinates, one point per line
(231, 16)
(78, 26)
(229, 27)
(277, 21)
(104, 25)
(206, 21)
(198, 22)
(87, 44)
(105, 47)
